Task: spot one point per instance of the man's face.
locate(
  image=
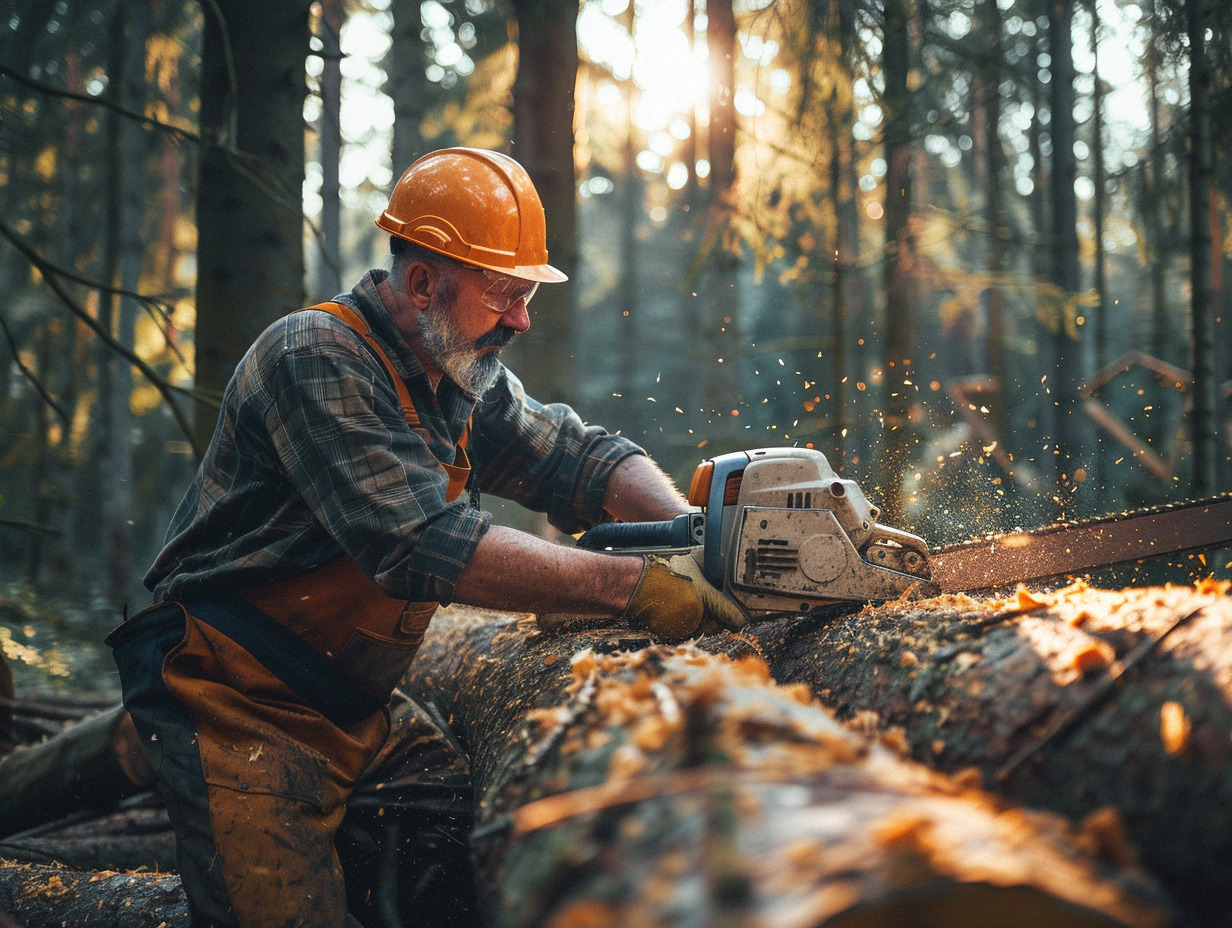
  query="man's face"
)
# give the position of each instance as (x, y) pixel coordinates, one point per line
(471, 316)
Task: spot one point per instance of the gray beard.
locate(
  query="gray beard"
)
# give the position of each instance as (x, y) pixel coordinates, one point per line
(455, 356)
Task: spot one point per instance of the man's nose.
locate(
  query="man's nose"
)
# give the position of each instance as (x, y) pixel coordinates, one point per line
(516, 317)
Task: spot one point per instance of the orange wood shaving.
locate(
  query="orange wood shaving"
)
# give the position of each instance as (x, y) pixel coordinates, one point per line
(1174, 727)
(1091, 656)
(1214, 587)
(1027, 600)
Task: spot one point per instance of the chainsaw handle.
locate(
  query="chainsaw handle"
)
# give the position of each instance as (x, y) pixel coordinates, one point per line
(679, 532)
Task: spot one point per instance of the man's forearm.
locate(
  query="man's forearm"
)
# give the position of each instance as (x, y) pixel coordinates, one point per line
(518, 572)
(639, 491)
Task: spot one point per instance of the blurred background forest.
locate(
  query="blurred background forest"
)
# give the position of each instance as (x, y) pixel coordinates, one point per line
(973, 250)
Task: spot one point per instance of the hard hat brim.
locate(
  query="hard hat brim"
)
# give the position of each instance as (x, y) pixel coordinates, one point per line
(541, 273)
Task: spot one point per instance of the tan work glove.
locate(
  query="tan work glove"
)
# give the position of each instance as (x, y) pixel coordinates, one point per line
(674, 600)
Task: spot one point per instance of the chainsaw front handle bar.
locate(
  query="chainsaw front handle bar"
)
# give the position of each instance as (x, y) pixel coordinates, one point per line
(684, 531)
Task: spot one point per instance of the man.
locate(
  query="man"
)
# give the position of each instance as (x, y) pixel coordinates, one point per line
(327, 522)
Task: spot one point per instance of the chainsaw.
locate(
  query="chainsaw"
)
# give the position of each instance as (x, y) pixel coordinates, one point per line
(780, 531)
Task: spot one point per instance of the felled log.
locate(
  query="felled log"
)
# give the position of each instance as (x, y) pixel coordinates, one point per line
(135, 836)
(619, 782)
(1080, 701)
(48, 896)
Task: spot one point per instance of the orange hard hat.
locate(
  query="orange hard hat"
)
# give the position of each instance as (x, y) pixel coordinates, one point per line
(477, 206)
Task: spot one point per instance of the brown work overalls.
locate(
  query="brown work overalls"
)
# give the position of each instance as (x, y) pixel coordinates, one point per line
(257, 753)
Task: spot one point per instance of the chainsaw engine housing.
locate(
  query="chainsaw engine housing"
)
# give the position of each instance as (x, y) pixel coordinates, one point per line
(790, 534)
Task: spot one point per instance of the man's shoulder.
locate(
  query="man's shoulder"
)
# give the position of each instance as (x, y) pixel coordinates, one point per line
(311, 328)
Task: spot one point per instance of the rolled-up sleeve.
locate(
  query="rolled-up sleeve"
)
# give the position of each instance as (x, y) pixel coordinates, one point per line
(544, 456)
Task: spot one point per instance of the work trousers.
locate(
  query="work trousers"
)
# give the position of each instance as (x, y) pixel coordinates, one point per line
(254, 780)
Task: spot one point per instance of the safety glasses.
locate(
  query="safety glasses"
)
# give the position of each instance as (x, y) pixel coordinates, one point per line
(503, 291)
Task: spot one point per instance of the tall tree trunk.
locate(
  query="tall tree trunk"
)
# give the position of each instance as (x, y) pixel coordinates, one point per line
(631, 209)
(250, 256)
(329, 259)
(1157, 249)
(1203, 426)
(720, 290)
(543, 105)
(47, 559)
(689, 150)
(692, 312)
(124, 249)
(1100, 203)
(721, 42)
(1075, 701)
(408, 86)
(899, 327)
(45, 554)
(991, 75)
(1065, 440)
(1099, 210)
(1040, 413)
(844, 259)
(840, 119)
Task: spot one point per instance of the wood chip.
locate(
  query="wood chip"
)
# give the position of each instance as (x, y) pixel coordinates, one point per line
(1174, 727)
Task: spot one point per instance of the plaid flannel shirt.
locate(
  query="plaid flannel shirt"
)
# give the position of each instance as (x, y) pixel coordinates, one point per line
(312, 459)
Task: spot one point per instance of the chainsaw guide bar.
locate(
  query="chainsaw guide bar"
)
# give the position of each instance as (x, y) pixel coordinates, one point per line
(1070, 548)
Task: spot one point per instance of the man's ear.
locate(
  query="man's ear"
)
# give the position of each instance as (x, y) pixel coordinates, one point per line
(419, 284)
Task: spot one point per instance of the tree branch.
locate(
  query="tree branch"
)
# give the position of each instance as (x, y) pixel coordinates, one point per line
(167, 390)
(156, 307)
(32, 527)
(186, 134)
(34, 381)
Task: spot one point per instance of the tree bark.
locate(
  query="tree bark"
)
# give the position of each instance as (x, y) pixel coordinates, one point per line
(840, 118)
(329, 257)
(998, 686)
(618, 782)
(625, 782)
(720, 285)
(137, 837)
(45, 896)
(1157, 253)
(1203, 427)
(899, 326)
(408, 85)
(1099, 205)
(631, 340)
(1060, 402)
(991, 74)
(123, 249)
(543, 110)
(250, 256)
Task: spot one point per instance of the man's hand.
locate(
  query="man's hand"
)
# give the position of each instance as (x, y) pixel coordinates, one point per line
(675, 601)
